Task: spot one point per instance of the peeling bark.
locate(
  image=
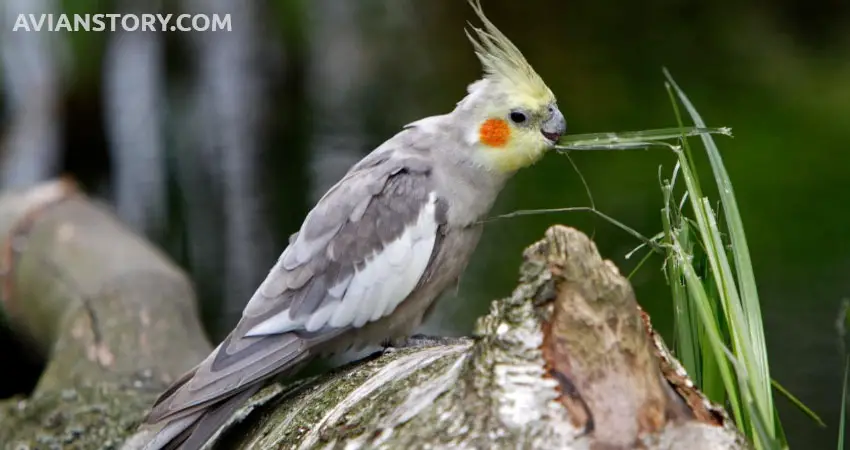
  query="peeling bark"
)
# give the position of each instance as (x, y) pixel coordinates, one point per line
(567, 361)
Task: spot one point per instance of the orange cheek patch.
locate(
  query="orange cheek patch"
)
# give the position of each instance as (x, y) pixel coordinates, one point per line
(495, 132)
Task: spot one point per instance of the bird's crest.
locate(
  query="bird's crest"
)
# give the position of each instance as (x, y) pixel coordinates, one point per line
(502, 60)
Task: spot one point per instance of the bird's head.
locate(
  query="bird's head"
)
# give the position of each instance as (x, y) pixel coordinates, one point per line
(511, 115)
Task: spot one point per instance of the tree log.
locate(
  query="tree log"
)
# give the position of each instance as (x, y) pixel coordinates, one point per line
(114, 318)
(568, 361)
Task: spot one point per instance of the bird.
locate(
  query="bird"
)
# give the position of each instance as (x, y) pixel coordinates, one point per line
(378, 249)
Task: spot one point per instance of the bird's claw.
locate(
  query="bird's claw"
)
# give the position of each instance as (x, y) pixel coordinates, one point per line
(421, 340)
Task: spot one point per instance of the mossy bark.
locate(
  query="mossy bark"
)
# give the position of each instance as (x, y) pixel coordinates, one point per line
(567, 361)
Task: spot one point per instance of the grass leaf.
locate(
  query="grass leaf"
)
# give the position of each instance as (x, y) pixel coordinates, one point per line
(842, 417)
(746, 279)
(730, 336)
(798, 403)
(627, 137)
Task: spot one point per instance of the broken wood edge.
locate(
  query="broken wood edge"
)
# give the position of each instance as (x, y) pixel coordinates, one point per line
(589, 302)
(37, 201)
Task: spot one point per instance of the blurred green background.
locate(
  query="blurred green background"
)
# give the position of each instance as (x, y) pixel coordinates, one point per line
(251, 126)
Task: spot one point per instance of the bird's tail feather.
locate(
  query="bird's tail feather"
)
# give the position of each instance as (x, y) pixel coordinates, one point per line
(195, 406)
(193, 431)
(155, 414)
(215, 417)
(174, 433)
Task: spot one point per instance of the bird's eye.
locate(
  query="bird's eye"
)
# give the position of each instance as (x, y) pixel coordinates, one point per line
(518, 117)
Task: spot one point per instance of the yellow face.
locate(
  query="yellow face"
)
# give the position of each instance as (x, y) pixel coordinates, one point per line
(517, 136)
(516, 118)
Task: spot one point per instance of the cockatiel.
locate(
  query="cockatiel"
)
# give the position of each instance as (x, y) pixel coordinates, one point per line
(378, 249)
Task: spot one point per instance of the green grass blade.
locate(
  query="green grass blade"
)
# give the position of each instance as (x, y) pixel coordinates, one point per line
(759, 423)
(730, 302)
(756, 356)
(798, 403)
(762, 421)
(686, 346)
(688, 157)
(842, 418)
(615, 146)
(780, 431)
(715, 340)
(649, 242)
(712, 384)
(640, 264)
(751, 393)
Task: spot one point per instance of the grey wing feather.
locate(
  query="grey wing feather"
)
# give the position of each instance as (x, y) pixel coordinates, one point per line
(371, 221)
(356, 219)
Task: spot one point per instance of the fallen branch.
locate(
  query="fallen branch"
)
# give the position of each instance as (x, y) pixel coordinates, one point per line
(114, 318)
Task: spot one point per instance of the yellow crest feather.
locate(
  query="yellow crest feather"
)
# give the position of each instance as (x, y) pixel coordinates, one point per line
(502, 60)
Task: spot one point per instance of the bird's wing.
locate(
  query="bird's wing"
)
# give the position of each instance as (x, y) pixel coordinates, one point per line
(360, 252)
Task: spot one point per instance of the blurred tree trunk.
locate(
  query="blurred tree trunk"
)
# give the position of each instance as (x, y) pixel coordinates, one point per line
(568, 361)
(350, 42)
(336, 74)
(221, 171)
(134, 81)
(32, 87)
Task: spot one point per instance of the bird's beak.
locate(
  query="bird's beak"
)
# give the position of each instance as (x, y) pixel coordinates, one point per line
(555, 126)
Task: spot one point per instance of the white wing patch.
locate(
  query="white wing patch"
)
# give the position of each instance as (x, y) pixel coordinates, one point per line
(385, 280)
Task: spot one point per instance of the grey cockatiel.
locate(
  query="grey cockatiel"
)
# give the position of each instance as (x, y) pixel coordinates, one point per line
(379, 248)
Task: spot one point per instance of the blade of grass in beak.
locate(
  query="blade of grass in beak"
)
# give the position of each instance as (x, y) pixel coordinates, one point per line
(614, 146)
(659, 134)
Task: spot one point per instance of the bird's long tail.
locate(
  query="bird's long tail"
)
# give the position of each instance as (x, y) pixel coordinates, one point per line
(193, 431)
(202, 400)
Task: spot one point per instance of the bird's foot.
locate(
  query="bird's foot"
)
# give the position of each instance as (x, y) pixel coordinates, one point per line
(421, 340)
